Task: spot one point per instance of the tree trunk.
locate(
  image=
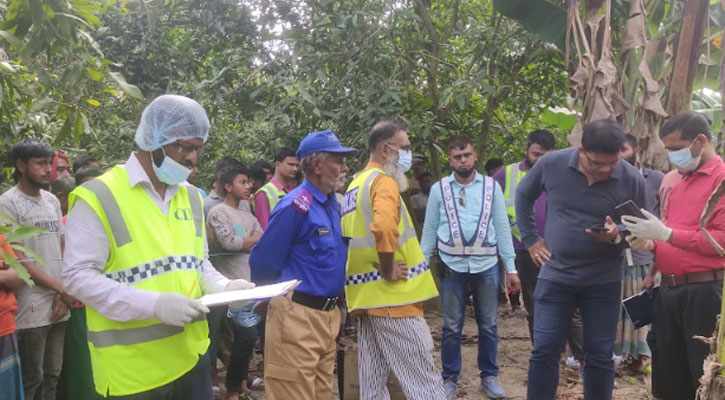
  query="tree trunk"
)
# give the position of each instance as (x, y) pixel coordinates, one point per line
(687, 53)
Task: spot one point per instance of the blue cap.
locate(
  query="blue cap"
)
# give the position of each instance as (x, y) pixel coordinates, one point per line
(324, 141)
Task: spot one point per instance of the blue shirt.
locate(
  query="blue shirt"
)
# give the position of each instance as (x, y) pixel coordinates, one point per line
(499, 229)
(303, 241)
(572, 206)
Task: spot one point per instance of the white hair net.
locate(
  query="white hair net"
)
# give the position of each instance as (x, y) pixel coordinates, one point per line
(170, 118)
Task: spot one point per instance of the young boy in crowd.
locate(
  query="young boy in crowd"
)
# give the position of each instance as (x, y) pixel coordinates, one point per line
(236, 232)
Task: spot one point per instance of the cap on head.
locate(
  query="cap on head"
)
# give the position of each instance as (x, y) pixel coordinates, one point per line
(324, 141)
(170, 118)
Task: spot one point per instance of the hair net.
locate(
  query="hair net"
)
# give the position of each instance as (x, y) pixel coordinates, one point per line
(170, 118)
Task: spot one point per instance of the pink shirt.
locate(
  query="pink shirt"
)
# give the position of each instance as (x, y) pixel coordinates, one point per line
(261, 203)
(689, 250)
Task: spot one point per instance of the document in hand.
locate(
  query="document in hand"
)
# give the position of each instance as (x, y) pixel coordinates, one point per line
(641, 307)
(257, 293)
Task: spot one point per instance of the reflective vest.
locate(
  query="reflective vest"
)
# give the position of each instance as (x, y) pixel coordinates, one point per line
(365, 287)
(477, 245)
(274, 195)
(513, 177)
(152, 252)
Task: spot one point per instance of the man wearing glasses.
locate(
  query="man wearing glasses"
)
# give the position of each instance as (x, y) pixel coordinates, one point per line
(581, 258)
(466, 220)
(136, 255)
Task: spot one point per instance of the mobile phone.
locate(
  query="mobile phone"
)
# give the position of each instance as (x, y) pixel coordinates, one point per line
(628, 208)
(599, 229)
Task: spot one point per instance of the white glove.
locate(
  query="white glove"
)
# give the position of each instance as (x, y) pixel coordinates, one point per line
(177, 309)
(238, 284)
(650, 228)
(640, 244)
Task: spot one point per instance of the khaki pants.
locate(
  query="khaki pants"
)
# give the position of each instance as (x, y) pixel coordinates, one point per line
(299, 351)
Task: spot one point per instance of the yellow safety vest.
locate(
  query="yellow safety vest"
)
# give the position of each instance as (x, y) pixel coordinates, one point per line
(365, 287)
(152, 252)
(274, 195)
(513, 177)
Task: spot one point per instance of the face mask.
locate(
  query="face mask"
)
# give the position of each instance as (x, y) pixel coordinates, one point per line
(170, 172)
(405, 160)
(683, 160)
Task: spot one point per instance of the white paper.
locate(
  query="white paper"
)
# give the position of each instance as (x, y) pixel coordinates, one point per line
(257, 293)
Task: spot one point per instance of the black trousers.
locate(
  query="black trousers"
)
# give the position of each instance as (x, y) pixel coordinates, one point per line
(242, 352)
(528, 274)
(680, 313)
(193, 385)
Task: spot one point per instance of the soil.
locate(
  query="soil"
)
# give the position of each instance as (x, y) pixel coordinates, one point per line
(514, 349)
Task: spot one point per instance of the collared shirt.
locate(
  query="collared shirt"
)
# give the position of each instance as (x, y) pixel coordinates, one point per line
(303, 241)
(653, 180)
(437, 226)
(539, 206)
(573, 205)
(689, 250)
(87, 251)
(261, 202)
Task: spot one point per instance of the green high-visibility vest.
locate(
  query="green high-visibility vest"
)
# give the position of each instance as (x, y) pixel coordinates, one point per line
(513, 177)
(153, 252)
(274, 195)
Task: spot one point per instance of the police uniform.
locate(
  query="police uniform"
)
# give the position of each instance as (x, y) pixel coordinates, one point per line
(303, 241)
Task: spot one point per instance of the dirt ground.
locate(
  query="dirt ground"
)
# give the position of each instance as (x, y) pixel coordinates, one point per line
(513, 355)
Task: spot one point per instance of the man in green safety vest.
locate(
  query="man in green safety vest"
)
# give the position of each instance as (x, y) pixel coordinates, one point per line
(539, 143)
(283, 181)
(136, 255)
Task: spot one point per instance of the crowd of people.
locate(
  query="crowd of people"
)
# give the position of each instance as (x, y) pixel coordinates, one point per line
(126, 253)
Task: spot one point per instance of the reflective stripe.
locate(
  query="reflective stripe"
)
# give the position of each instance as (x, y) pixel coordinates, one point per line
(155, 268)
(455, 245)
(196, 208)
(367, 212)
(112, 211)
(359, 279)
(512, 173)
(126, 337)
(274, 195)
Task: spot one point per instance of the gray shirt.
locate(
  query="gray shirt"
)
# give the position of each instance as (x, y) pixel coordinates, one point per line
(573, 206)
(231, 226)
(653, 180)
(35, 303)
(212, 199)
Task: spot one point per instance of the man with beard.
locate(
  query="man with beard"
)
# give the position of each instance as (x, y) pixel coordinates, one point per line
(304, 241)
(43, 308)
(631, 343)
(539, 143)
(387, 276)
(137, 256)
(466, 220)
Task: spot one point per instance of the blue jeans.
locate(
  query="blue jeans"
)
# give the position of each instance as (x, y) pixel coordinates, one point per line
(555, 304)
(454, 293)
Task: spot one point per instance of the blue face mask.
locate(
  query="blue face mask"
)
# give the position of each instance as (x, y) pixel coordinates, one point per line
(683, 160)
(405, 160)
(170, 172)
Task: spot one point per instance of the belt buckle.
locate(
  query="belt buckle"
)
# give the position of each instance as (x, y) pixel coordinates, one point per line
(669, 279)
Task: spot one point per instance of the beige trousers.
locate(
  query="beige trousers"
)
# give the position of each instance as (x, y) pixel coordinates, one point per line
(299, 351)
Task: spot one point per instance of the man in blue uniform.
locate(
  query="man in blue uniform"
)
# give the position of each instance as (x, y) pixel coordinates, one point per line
(304, 241)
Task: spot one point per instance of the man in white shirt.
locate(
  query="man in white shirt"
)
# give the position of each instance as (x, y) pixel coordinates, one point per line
(146, 328)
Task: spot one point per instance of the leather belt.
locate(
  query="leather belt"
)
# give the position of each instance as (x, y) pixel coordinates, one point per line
(316, 302)
(671, 280)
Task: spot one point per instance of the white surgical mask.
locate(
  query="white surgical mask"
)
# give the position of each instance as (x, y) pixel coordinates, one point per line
(683, 160)
(405, 160)
(170, 172)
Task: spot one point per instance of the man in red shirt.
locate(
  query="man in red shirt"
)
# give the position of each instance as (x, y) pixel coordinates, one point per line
(692, 270)
(283, 181)
(11, 380)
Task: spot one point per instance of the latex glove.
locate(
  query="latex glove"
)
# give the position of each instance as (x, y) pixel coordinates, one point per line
(640, 244)
(177, 309)
(238, 284)
(650, 228)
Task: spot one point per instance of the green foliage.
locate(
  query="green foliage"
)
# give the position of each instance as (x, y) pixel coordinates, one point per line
(13, 233)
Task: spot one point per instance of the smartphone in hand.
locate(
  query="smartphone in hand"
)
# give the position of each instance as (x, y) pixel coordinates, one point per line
(599, 229)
